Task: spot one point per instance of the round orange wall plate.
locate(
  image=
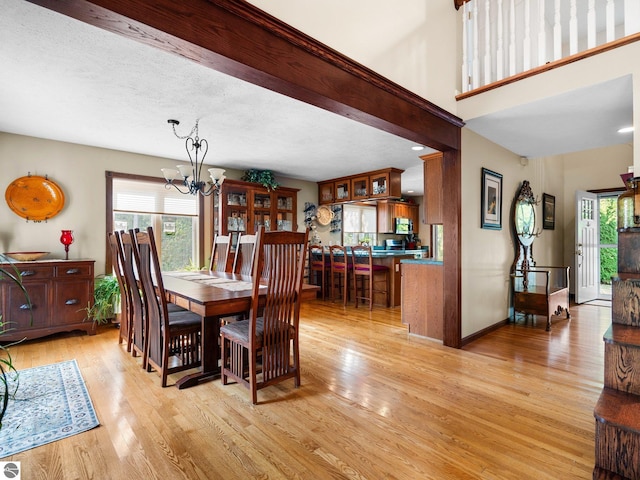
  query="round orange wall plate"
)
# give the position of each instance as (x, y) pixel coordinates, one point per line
(34, 198)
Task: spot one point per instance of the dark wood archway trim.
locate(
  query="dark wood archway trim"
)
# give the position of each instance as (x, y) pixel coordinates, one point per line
(236, 38)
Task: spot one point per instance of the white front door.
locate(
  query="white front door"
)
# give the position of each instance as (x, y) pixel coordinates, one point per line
(587, 276)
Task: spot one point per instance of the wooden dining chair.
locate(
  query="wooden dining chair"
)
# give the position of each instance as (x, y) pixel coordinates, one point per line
(126, 314)
(138, 318)
(340, 271)
(243, 260)
(273, 337)
(319, 266)
(220, 253)
(369, 275)
(174, 336)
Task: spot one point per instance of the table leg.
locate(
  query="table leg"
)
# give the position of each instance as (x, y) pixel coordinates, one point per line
(210, 355)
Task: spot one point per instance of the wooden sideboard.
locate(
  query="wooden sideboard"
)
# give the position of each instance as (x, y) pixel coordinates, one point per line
(59, 290)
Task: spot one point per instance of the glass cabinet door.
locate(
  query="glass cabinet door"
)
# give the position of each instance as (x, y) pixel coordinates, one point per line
(285, 205)
(326, 192)
(236, 212)
(261, 211)
(342, 190)
(359, 188)
(379, 185)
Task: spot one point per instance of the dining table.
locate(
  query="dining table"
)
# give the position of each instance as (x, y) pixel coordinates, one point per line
(213, 296)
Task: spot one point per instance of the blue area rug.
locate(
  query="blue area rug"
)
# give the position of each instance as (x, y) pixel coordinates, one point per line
(52, 403)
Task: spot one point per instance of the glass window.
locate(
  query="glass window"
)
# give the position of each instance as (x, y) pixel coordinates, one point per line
(359, 224)
(173, 216)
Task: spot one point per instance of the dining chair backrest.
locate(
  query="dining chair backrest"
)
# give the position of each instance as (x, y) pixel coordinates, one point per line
(340, 272)
(220, 253)
(361, 259)
(339, 258)
(318, 266)
(153, 292)
(138, 317)
(243, 260)
(117, 261)
(365, 269)
(279, 261)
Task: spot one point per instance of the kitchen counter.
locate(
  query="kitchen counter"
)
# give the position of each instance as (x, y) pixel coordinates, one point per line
(395, 253)
(422, 261)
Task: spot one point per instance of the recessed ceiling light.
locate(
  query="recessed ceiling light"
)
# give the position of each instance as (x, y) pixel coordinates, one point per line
(625, 130)
(417, 148)
(410, 191)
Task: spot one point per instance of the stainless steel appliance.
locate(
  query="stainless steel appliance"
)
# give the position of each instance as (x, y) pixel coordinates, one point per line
(392, 244)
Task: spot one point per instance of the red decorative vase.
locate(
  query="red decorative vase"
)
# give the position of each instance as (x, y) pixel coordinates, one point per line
(66, 239)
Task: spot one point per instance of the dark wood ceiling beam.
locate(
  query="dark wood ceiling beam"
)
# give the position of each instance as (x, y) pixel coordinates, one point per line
(236, 38)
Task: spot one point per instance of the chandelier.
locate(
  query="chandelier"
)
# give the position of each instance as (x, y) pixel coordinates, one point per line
(192, 174)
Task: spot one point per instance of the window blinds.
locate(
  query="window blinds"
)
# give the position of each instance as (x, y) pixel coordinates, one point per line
(137, 196)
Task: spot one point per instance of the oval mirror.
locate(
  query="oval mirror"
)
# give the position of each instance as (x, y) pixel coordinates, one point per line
(525, 222)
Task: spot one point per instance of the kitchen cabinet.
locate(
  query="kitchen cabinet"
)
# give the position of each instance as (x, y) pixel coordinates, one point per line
(386, 183)
(342, 190)
(360, 188)
(433, 191)
(59, 291)
(389, 210)
(378, 184)
(326, 192)
(242, 207)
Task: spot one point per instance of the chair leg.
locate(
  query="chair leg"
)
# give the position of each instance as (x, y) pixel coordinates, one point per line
(223, 358)
(370, 291)
(345, 289)
(252, 377)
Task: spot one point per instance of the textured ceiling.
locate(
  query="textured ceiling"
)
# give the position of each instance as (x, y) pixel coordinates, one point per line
(65, 80)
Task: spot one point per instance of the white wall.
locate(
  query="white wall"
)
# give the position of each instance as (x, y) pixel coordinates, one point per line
(487, 255)
(80, 173)
(413, 43)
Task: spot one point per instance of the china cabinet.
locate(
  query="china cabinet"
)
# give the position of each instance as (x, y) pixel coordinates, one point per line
(242, 207)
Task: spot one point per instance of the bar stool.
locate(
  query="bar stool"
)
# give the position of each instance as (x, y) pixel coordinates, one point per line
(319, 266)
(363, 267)
(342, 267)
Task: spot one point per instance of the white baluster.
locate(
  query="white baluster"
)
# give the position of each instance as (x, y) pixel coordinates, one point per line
(611, 21)
(591, 24)
(512, 38)
(542, 36)
(475, 76)
(465, 35)
(500, 45)
(557, 32)
(631, 17)
(487, 43)
(573, 28)
(526, 43)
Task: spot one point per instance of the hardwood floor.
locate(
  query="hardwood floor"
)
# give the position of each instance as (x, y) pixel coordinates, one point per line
(375, 403)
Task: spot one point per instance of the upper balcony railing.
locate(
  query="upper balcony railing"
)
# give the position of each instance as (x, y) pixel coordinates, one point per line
(504, 38)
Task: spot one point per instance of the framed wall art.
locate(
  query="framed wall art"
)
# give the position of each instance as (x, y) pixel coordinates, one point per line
(548, 212)
(491, 200)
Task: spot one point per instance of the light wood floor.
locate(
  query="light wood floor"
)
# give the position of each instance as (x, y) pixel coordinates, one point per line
(375, 403)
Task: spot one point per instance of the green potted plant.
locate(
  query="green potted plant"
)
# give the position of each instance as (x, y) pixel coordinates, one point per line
(263, 177)
(106, 299)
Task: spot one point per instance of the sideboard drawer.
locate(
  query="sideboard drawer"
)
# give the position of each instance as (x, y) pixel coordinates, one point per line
(74, 270)
(29, 272)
